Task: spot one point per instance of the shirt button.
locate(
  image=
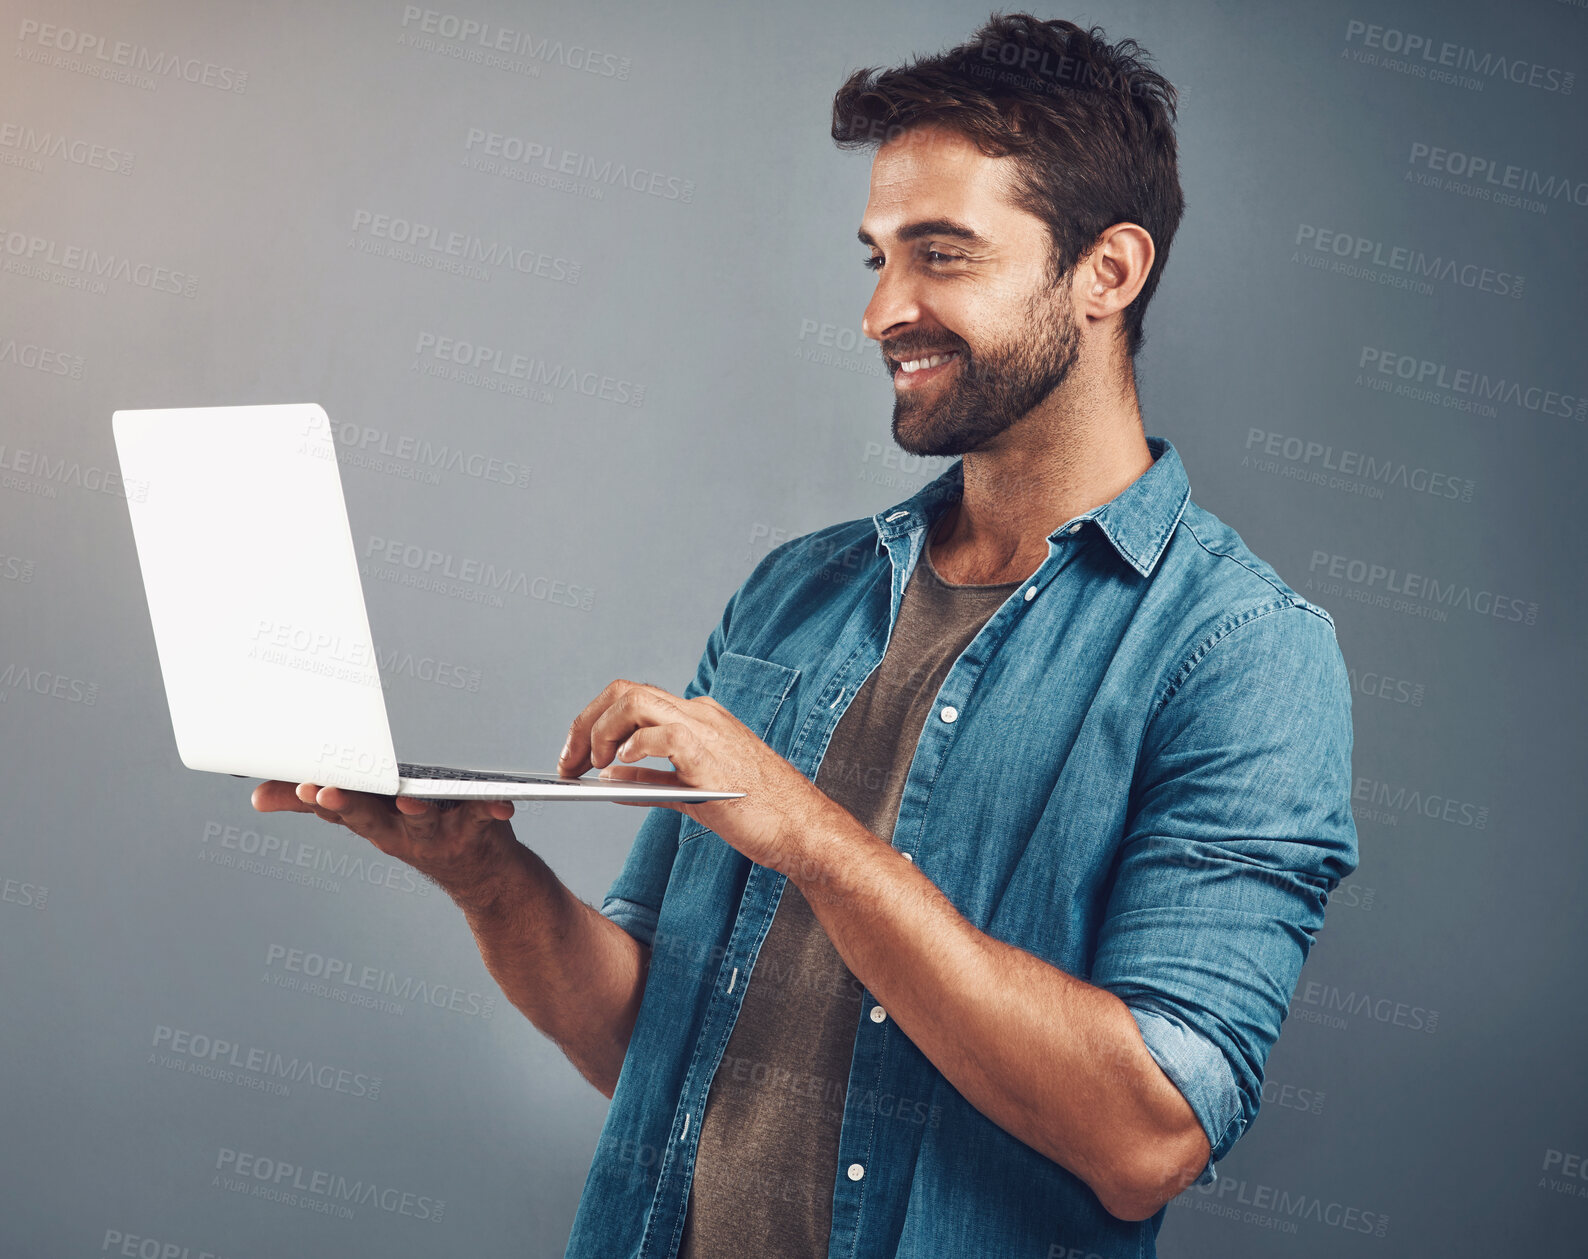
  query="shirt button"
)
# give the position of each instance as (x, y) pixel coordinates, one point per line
(908, 856)
(856, 1171)
(878, 1014)
(1031, 593)
(1076, 527)
(949, 713)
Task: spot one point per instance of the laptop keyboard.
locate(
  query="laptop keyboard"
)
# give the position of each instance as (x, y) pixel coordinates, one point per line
(473, 775)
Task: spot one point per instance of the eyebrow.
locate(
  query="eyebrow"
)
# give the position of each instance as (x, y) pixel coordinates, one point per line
(930, 227)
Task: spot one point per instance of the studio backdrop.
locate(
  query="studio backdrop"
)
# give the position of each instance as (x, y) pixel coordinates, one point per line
(579, 289)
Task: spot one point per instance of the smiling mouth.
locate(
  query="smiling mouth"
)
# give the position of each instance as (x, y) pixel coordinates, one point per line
(912, 365)
(912, 369)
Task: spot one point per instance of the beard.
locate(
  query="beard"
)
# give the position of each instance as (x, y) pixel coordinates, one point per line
(988, 390)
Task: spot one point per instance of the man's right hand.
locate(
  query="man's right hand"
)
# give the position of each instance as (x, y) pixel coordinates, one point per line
(462, 849)
(574, 973)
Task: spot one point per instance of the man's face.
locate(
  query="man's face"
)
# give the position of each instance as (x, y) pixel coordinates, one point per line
(961, 272)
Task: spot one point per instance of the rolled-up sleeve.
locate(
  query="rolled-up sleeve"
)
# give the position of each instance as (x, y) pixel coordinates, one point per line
(634, 900)
(1240, 826)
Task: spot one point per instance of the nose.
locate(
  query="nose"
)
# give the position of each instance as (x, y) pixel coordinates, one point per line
(893, 305)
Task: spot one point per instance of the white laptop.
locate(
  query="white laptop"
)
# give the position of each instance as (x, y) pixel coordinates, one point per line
(253, 586)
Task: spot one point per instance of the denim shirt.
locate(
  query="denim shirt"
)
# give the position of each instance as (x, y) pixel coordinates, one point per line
(1138, 771)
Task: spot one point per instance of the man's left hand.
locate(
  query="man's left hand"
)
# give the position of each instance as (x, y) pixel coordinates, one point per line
(710, 749)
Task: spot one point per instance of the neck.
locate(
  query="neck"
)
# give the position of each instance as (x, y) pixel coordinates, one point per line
(1057, 462)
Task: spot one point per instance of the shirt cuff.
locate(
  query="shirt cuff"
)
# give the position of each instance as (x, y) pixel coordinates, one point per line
(638, 920)
(1198, 1069)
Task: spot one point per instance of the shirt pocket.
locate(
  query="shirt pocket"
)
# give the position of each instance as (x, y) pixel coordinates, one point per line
(752, 690)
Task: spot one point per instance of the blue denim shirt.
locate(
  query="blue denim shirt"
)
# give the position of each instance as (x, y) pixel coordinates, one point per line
(1138, 771)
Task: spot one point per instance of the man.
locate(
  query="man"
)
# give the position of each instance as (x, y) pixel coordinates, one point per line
(1046, 776)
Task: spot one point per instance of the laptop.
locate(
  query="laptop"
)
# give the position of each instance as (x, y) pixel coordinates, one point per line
(259, 619)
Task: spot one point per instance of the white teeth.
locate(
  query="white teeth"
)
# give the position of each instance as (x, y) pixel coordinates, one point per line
(916, 364)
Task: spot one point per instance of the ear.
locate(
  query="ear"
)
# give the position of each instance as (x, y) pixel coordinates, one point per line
(1112, 272)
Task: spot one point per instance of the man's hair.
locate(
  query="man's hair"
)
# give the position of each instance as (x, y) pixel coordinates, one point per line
(1089, 124)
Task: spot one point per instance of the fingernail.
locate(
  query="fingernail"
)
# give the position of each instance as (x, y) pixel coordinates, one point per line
(566, 749)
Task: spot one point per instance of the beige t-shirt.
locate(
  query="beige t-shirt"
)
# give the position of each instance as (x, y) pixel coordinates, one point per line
(768, 1150)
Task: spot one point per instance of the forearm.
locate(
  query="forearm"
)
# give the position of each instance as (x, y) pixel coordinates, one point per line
(575, 974)
(1053, 1060)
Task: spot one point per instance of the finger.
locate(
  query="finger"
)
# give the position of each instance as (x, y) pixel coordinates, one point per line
(276, 796)
(412, 806)
(641, 774)
(369, 815)
(659, 740)
(307, 796)
(575, 756)
(655, 777)
(636, 709)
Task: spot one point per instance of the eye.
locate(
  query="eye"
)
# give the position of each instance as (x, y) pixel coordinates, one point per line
(873, 263)
(937, 256)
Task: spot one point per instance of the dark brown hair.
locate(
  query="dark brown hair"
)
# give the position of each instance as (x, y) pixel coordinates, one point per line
(1090, 125)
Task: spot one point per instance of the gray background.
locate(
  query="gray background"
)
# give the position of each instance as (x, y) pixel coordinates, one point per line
(1427, 1096)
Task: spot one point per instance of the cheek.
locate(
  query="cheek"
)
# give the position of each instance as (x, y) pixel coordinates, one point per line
(992, 314)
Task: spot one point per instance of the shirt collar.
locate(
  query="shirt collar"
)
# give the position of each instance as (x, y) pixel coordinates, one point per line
(1137, 521)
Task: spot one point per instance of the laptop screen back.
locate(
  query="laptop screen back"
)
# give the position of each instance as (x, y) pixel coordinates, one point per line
(254, 594)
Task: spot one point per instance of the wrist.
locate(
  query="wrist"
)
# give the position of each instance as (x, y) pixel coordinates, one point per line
(479, 879)
(816, 847)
